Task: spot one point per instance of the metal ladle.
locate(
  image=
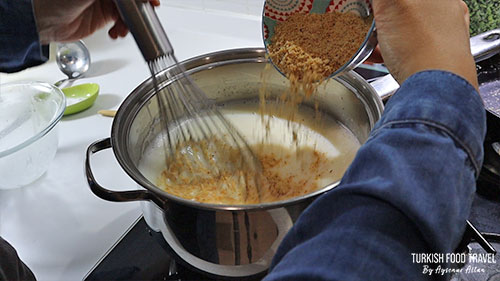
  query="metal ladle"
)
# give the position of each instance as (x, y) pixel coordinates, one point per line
(73, 60)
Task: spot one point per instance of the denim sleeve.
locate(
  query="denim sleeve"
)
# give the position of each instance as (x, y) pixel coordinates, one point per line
(19, 43)
(408, 190)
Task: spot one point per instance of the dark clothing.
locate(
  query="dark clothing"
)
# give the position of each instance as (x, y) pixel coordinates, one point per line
(11, 267)
(19, 43)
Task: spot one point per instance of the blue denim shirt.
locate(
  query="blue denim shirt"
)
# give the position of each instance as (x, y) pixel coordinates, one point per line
(19, 43)
(408, 190)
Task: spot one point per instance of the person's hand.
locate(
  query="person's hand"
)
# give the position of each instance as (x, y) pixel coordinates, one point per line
(417, 35)
(63, 20)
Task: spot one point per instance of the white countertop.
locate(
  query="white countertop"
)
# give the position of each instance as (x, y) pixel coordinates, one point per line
(58, 226)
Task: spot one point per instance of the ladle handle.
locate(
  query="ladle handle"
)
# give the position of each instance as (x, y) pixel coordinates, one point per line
(106, 194)
(483, 46)
(142, 21)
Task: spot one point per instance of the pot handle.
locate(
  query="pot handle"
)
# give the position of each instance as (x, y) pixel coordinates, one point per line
(483, 46)
(385, 86)
(97, 189)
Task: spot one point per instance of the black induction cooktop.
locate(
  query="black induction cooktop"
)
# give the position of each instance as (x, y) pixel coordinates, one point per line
(138, 255)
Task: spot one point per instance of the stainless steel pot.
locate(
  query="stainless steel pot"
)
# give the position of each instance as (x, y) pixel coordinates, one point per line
(231, 241)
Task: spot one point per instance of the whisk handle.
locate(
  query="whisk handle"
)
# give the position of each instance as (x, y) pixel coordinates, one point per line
(142, 21)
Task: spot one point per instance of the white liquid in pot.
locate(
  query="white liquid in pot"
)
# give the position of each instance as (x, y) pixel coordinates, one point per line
(316, 156)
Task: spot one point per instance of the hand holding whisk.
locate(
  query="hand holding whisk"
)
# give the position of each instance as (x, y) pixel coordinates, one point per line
(203, 148)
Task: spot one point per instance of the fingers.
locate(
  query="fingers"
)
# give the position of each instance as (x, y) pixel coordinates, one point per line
(119, 29)
(155, 3)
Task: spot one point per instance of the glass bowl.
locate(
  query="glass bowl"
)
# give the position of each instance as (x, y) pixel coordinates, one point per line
(29, 113)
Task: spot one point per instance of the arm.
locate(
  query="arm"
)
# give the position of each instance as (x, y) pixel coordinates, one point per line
(19, 42)
(409, 190)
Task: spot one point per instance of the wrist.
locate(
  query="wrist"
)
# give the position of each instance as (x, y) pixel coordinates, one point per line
(463, 67)
(458, 61)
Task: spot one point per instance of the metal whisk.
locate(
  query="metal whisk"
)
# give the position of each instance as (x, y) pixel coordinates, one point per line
(195, 130)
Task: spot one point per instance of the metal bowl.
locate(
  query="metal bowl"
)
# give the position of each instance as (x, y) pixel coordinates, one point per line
(224, 240)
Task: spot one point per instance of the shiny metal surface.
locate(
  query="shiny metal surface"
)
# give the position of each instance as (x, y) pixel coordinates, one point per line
(485, 45)
(225, 243)
(73, 59)
(385, 86)
(225, 240)
(143, 23)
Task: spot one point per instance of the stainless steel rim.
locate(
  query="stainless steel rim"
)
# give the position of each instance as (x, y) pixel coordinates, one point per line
(141, 95)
